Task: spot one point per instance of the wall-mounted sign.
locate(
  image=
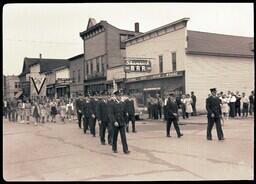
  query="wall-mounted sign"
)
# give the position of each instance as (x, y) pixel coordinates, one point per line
(64, 81)
(137, 65)
(38, 83)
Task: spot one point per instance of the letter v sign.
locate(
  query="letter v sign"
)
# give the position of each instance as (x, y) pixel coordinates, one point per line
(38, 84)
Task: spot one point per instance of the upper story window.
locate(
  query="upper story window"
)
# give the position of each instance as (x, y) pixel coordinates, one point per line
(78, 75)
(98, 64)
(160, 64)
(74, 78)
(17, 85)
(174, 62)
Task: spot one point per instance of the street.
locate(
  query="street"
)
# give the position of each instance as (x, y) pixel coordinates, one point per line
(58, 151)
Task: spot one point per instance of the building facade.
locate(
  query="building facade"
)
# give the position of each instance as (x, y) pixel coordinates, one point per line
(104, 48)
(76, 69)
(184, 61)
(63, 81)
(12, 88)
(33, 75)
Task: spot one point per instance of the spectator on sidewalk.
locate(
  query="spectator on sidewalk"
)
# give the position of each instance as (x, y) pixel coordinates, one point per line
(183, 106)
(244, 105)
(238, 104)
(251, 99)
(193, 104)
(232, 105)
(224, 106)
(188, 105)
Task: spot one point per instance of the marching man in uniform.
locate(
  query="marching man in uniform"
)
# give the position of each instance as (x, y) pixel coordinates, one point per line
(172, 115)
(119, 115)
(129, 102)
(214, 115)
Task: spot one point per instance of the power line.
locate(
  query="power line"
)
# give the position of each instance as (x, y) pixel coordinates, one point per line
(43, 42)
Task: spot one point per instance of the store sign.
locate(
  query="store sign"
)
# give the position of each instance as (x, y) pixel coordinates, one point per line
(137, 65)
(38, 83)
(64, 81)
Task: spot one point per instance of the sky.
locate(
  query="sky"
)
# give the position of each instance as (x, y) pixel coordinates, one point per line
(53, 29)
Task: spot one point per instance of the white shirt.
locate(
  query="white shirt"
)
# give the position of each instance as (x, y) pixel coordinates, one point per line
(244, 99)
(233, 99)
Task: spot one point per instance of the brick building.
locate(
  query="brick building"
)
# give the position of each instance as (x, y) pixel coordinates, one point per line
(12, 86)
(104, 48)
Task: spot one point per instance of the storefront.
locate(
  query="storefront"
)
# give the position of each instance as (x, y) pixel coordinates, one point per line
(143, 87)
(63, 87)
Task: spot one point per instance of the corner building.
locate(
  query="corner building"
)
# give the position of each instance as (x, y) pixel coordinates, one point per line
(185, 61)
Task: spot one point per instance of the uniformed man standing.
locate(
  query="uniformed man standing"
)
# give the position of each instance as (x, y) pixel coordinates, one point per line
(119, 123)
(94, 104)
(214, 115)
(172, 115)
(129, 102)
(87, 115)
(102, 115)
(79, 109)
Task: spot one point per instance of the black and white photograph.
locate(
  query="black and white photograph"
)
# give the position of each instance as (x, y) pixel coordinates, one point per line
(128, 91)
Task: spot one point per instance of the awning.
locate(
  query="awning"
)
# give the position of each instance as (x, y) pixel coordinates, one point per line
(18, 94)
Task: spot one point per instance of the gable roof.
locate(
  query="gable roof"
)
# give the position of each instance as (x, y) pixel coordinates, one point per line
(91, 22)
(218, 44)
(105, 24)
(46, 65)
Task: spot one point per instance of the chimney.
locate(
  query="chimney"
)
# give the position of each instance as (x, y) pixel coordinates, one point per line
(137, 27)
(40, 56)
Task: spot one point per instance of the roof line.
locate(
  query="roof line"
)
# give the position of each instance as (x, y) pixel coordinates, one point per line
(159, 28)
(219, 34)
(219, 54)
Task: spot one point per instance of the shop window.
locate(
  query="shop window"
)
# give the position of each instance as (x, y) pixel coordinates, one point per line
(74, 79)
(97, 64)
(78, 77)
(160, 64)
(174, 64)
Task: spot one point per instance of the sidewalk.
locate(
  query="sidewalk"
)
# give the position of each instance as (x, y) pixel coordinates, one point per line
(199, 119)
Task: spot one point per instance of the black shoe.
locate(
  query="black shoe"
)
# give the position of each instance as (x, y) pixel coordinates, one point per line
(168, 136)
(221, 139)
(180, 135)
(126, 152)
(94, 135)
(103, 143)
(114, 151)
(110, 143)
(209, 139)
(134, 131)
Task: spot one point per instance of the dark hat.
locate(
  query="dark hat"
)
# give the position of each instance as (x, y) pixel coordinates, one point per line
(116, 92)
(171, 93)
(213, 89)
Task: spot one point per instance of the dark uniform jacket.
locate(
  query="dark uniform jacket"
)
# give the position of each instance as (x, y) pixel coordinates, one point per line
(130, 106)
(213, 106)
(111, 111)
(79, 105)
(87, 109)
(171, 108)
(119, 111)
(94, 104)
(102, 111)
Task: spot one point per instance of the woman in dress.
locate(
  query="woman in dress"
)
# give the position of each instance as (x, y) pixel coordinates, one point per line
(62, 110)
(224, 106)
(27, 111)
(183, 106)
(69, 109)
(36, 113)
(188, 101)
(54, 112)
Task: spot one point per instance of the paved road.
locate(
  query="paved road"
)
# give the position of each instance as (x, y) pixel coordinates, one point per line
(62, 152)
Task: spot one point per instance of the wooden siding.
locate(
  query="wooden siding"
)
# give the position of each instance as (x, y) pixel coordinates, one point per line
(224, 73)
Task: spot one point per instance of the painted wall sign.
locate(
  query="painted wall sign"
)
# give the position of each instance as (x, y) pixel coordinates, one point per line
(137, 65)
(38, 83)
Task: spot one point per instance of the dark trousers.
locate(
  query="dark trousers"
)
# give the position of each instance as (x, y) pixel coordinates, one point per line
(103, 127)
(169, 124)
(79, 117)
(9, 115)
(110, 133)
(238, 109)
(159, 111)
(132, 119)
(86, 123)
(165, 114)
(183, 108)
(5, 112)
(245, 109)
(251, 108)
(232, 109)
(149, 111)
(194, 109)
(92, 125)
(211, 122)
(155, 111)
(123, 138)
(14, 116)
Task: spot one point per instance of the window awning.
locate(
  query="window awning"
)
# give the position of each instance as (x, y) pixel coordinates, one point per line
(18, 94)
